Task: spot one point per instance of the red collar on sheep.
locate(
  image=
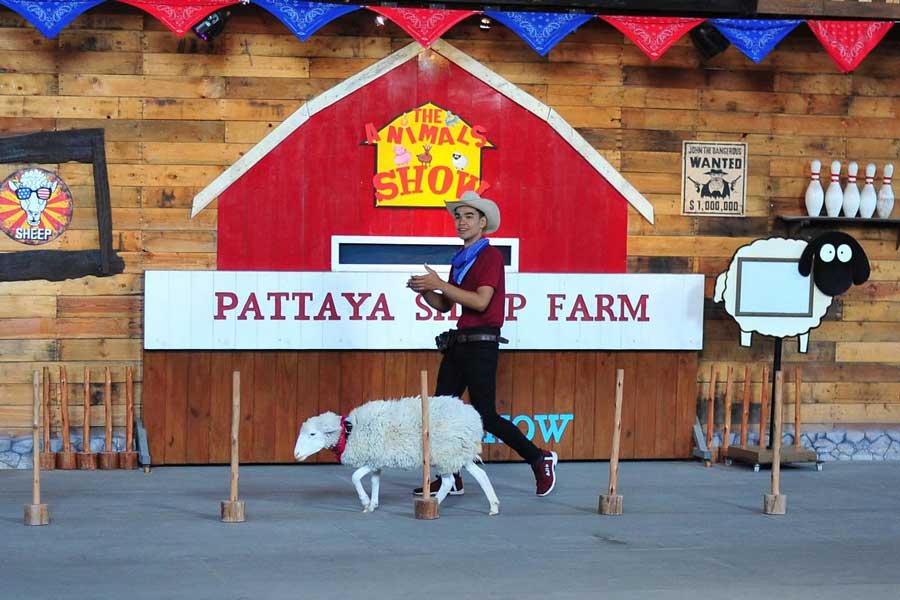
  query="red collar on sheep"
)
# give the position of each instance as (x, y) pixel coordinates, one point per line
(346, 428)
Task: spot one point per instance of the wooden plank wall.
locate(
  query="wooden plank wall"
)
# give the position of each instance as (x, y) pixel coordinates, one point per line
(179, 111)
(188, 413)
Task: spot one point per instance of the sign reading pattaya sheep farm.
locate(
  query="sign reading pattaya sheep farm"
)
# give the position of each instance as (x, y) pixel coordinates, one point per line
(426, 155)
(236, 310)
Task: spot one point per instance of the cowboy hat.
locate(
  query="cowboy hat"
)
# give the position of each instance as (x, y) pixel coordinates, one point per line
(487, 207)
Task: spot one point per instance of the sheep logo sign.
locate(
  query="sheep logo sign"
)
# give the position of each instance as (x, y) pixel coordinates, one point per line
(426, 155)
(783, 288)
(35, 206)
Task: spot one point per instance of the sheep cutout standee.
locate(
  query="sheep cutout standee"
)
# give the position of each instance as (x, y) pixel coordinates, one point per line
(387, 434)
(783, 287)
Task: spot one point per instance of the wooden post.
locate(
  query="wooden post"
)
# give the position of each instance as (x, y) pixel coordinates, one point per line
(763, 406)
(65, 459)
(108, 458)
(232, 510)
(48, 458)
(611, 503)
(776, 502)
(710, 411)
(726, 427)
(128, 457)
(797, 386)
(87, 460)
(36, 513)
(745, 407)
(426, 507)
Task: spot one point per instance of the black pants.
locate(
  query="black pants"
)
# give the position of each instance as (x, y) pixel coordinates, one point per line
(473, 365)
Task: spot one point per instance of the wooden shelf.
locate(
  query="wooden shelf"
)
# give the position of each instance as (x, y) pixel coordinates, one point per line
(798, 222)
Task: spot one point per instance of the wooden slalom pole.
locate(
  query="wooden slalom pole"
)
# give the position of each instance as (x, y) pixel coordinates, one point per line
(107, 458)
(726, 427)
(745, 407)
(128, 457)
(232, 510)
(797, 386)
(710, 412)
(426, 507)
(611, 503)
(87, 460)
(48, 458)
(763, 407)
(776, 502)
(65, 458)
(36, 513)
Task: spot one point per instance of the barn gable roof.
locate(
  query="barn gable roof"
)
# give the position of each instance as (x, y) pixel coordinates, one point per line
(465, 62)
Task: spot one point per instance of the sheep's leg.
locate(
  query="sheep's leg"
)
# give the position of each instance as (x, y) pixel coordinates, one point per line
(446, 484)
(376, 481)
(803, 341)
(357, 482)
(482, 478)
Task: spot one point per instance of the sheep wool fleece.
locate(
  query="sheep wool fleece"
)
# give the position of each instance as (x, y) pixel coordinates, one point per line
(388, 434)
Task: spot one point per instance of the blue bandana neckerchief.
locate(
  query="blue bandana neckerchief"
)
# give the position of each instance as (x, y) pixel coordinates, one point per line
(465, 258)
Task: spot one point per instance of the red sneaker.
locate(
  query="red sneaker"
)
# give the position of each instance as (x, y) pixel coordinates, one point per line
(545, 472)
(455, 490)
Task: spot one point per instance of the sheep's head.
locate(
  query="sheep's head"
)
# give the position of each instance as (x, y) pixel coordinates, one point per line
(316, 433)
(836, 262)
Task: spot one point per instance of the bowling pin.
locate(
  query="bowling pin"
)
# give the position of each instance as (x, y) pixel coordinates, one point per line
(885, 203)
(851, 191)
(868, 197)
(834, 196)
(815, 195)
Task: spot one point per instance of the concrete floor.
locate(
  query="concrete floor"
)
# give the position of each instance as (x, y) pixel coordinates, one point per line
(687, 532)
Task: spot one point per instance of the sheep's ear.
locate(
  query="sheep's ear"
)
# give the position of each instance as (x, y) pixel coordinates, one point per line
(806, 259)
(860, 264)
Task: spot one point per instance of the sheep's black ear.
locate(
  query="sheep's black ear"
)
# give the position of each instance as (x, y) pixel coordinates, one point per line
(806, 259)
(860, 263)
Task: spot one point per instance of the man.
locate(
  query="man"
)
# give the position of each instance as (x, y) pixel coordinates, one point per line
(477, 283)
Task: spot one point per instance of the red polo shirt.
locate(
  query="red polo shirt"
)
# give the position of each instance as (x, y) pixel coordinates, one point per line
(487, 270)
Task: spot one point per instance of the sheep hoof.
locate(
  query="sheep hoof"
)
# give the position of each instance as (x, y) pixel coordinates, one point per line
(495, 510)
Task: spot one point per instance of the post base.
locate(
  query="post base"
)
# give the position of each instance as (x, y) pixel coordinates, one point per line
(48, 461)
(107, 460)
(37, 514)
(774, 504)
(427, 508)
(65, 461)
(87, 461)
(610, 504)
(232, 512)
(128, 460)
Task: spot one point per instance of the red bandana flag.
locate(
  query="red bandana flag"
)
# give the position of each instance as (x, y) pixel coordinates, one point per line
(425, 25)
(180, 15)
(849, 42)
(653, 35)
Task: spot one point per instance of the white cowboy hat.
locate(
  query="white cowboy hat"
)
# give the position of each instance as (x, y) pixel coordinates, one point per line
(490, 210)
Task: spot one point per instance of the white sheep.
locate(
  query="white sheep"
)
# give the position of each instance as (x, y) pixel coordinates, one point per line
(764, 291)
(388, 434)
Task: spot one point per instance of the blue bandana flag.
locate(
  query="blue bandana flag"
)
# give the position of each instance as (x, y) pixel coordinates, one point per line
(465, 258)
(755, 38)
(50, 16)
(541, 30)
(304, 18)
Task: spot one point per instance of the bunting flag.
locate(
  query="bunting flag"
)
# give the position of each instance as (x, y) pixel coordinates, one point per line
(305, 18)
(425, 25)
(541, 30)
(653, 35)
(50, 16)
(755, 38)
(179, 15)
(849, 42)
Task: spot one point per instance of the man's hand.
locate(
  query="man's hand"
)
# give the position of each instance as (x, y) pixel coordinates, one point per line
(429, 282)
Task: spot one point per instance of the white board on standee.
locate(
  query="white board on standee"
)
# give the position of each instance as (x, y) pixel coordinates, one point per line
(246, 310)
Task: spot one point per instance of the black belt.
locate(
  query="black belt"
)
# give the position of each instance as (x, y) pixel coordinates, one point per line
(462, 338)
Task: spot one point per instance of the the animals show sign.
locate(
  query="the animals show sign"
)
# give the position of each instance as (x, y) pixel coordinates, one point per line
(35, 206)
(426, 155)
(714, 179)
